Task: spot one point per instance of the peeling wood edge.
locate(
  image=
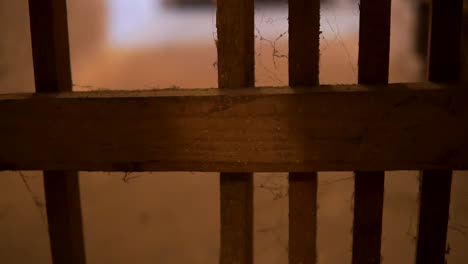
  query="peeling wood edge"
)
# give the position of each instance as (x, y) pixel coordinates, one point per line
(260, 91)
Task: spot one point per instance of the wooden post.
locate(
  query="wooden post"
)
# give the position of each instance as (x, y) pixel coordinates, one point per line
(51, 59)
(373, 64)
(235, 25)
(443, 66)
(304, 31)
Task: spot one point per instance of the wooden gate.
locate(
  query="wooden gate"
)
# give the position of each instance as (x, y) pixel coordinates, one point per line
(368, 128)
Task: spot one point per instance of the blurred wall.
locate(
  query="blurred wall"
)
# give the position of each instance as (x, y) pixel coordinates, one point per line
(15, 47)
(87, 30)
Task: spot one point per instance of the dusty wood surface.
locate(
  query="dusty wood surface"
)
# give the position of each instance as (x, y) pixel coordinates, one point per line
(238, 130)
(303, 63)
(444, 66)
(373, 66)
(51, 60)
(235, 46)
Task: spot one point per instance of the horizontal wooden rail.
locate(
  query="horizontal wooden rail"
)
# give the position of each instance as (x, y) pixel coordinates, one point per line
(346, 127)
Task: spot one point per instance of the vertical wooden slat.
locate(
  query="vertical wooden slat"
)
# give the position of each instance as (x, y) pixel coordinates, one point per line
(368, 209)
(303, 217)
(64, 217)
(235, 43)
(443, 66)
(433, 216)
(51, 59)
(374, 41)
(50, 48)
(445, 35)
(236, 217)
(304, 31)
(373, 65)
(235, 27)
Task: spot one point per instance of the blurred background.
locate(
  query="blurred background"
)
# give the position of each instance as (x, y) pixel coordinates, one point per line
(174, 217)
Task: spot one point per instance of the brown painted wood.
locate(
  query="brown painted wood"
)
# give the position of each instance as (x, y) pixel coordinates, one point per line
(302, 217)
(50, 47)
(444, 66)
(51, 60)
(373, 64)
(368, 209)
(62, 194)
(235, 45)
(236, 217)
(445, 35)
(304, 31)
(374, 41)
(355, 127)
(433, 216)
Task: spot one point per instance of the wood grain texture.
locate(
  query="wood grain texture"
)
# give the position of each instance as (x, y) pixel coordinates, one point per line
(235, 43)
(51, 60)
(303, 59)
(235, 46)
(443, 66)
(373, 65)
(63, 204)
(355, 127)
(434, 209)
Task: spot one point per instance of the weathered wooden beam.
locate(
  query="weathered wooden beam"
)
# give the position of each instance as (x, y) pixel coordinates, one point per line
(328, 128)
(373, 64)
(52, 72)
(303, 59)
(235, 46)
(444, 66)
